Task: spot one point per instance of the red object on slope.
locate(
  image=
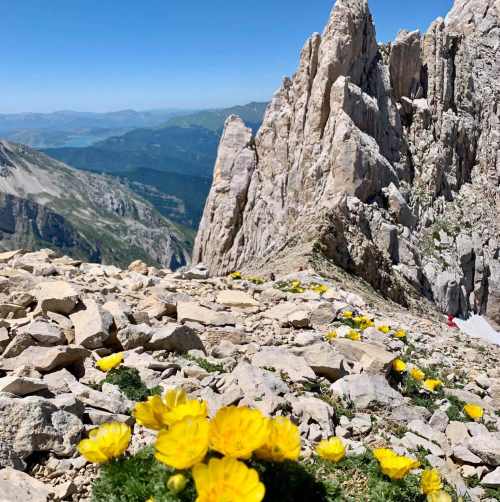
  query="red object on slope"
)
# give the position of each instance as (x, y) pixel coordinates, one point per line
(451, 322)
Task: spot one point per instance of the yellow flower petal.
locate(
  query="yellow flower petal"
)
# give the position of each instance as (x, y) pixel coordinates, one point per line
(397, 467)
(238, 432)
(417, 374)
(384, 329)
(283, 441)
(474, 411)
(332, 449)
(398, 366)
(430, 481)
(108, 363)
(318, 288)
(227, 480)
(158, 413)
(354, 335)
(347, 314)
(331, 335)
(400, 333)
(381, 453)
(184, 444)
(106, 442)
(431, 385)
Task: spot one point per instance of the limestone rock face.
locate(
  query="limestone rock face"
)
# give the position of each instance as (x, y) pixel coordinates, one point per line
(381, 159)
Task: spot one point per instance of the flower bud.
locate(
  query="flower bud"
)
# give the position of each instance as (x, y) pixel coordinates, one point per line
(176, 483)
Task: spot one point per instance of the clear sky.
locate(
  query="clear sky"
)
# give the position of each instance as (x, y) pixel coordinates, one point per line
(103, 55)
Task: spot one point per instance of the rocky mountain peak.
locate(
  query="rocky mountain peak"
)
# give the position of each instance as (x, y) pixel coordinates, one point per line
(379, 160)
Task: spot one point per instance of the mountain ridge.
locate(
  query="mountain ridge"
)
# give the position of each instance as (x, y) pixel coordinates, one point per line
(369, 157)
(89, 216)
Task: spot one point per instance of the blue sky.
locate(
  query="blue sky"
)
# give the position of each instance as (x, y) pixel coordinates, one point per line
(103, 55)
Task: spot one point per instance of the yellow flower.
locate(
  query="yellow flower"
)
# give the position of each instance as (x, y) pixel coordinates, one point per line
(398, 366)
(106, 442)
(332, 449)
(381, 453)
(440, 496)
(397, 466)
(318, 288)
(347, 314)
(354, 335)
(431, 385)
(474, 411)
(400, 333)
(184, 444)
(283, 441)
(177, 483)
(363, 322)
(110, 362)
(331, 335)
(384, 329)
(228, 480)
(430, 481)
(238, 432)
(417, 374)
(159, 412)
(235, 275)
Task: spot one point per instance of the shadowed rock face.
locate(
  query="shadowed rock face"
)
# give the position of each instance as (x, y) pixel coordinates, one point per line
(385, 158)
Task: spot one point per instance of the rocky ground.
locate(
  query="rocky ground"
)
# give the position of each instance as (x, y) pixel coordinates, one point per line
(249, 341)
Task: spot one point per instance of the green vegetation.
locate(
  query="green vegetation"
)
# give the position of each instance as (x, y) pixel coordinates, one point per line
(354, 479)
(206, 364)
(359, 478)
(455, 410)
(130, 383)
(136, 479)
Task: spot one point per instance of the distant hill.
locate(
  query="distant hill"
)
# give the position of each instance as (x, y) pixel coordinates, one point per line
(178, 197)
(251, 114)
(170, 166)
(184, 145)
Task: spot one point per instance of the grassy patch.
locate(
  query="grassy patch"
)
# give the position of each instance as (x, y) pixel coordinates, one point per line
(136, 479)
(354, 479)
(358, 478)
(455, 410)
(206, 364)
(129, 382)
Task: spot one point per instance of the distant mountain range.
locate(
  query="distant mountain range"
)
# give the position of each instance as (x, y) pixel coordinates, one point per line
(44, 203)
(168, 164)
(184, 144)
(70, 128)
(171, 165)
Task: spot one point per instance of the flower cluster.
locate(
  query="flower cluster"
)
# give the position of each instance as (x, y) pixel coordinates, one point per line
(217, 451)
(397, 467)
(428, 384)
(359, 323)
(296, 286)
(237, 276)
(214, 450)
